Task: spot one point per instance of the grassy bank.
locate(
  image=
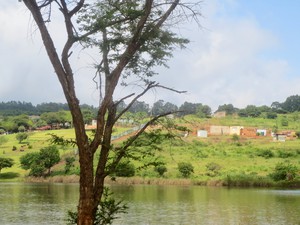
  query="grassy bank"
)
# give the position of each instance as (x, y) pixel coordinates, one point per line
(217, 160)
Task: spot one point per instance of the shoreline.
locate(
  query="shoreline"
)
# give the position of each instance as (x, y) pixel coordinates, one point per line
(69, 179)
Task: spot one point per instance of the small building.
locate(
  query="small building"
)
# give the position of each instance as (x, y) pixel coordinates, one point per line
(236, 130)
(219, 130)
(220, 114)
(279, 137)
(261, 132)
(202, 133)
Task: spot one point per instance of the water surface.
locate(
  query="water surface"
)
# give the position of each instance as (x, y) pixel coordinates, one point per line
(35, 204)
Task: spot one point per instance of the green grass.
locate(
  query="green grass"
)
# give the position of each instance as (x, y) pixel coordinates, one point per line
(248, 161)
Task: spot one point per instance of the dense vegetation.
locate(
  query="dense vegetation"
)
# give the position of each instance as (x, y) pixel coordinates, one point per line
(22, 116)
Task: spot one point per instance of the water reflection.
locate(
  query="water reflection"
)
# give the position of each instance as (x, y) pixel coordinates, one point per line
(48, 203)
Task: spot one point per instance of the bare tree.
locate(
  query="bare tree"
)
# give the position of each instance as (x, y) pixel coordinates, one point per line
(132, 37)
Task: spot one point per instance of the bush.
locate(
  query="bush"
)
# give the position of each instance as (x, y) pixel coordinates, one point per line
(285, 154)
(21, 137)
(213, 169)
(6, 163)
(160, 169)
(125, 169)
(266, 153)
(284, 171)
(38, 162)
(69, 164)
(185, 169)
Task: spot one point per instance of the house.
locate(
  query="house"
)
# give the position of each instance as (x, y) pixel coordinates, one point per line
(235, 130)
(261, 132)
(219, 130)
(220, 114)
(279, 137)
(202, 133)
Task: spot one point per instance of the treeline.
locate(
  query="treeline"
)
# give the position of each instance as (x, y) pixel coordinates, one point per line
(291, 104)
(15, 108)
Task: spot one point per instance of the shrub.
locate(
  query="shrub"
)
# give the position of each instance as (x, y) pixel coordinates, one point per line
(69, 164)
(284, 171)
(284, 122)
(160, 169)
(6, 163)
(213, 169)
(185, 169)
(266, 153)
(21, 137)
(285, 154)
(125, 169)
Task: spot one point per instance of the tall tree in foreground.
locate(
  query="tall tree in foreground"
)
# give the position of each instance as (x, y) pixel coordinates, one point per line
(132, 38)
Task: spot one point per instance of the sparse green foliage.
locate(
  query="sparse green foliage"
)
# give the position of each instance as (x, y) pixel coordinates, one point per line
(284, 122)
(185, 169)
(69, 164)
(6, 163)
(235, 138)
(108, 210)
(213, 169)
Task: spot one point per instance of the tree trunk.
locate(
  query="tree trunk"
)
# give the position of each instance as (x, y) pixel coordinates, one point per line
(86, 200)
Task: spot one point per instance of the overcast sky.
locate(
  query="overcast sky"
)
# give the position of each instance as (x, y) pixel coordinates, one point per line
(247, 52)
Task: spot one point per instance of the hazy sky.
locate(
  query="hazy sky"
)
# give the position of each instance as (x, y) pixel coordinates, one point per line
(247, 52)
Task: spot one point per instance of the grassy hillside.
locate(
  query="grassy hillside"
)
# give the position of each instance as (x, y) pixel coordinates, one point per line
(215, 159)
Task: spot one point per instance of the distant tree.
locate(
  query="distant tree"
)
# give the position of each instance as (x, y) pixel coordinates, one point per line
(51, 107)
(188, 108)
(185, 169)
(250, 111)
(160, 107)
(228, 108)
(21, 136)
(6, 163)
(139, 106)
(291, 104)
(49, 156)
(203, 110)
(29, 159)
(21, 128)
(271, 115)
(40, 161)
(88, 116)
(277, 107)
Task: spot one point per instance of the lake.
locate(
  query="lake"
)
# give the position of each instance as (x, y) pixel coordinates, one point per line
(36, 204)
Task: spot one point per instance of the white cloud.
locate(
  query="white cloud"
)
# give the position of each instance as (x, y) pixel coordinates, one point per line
(229, 60)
